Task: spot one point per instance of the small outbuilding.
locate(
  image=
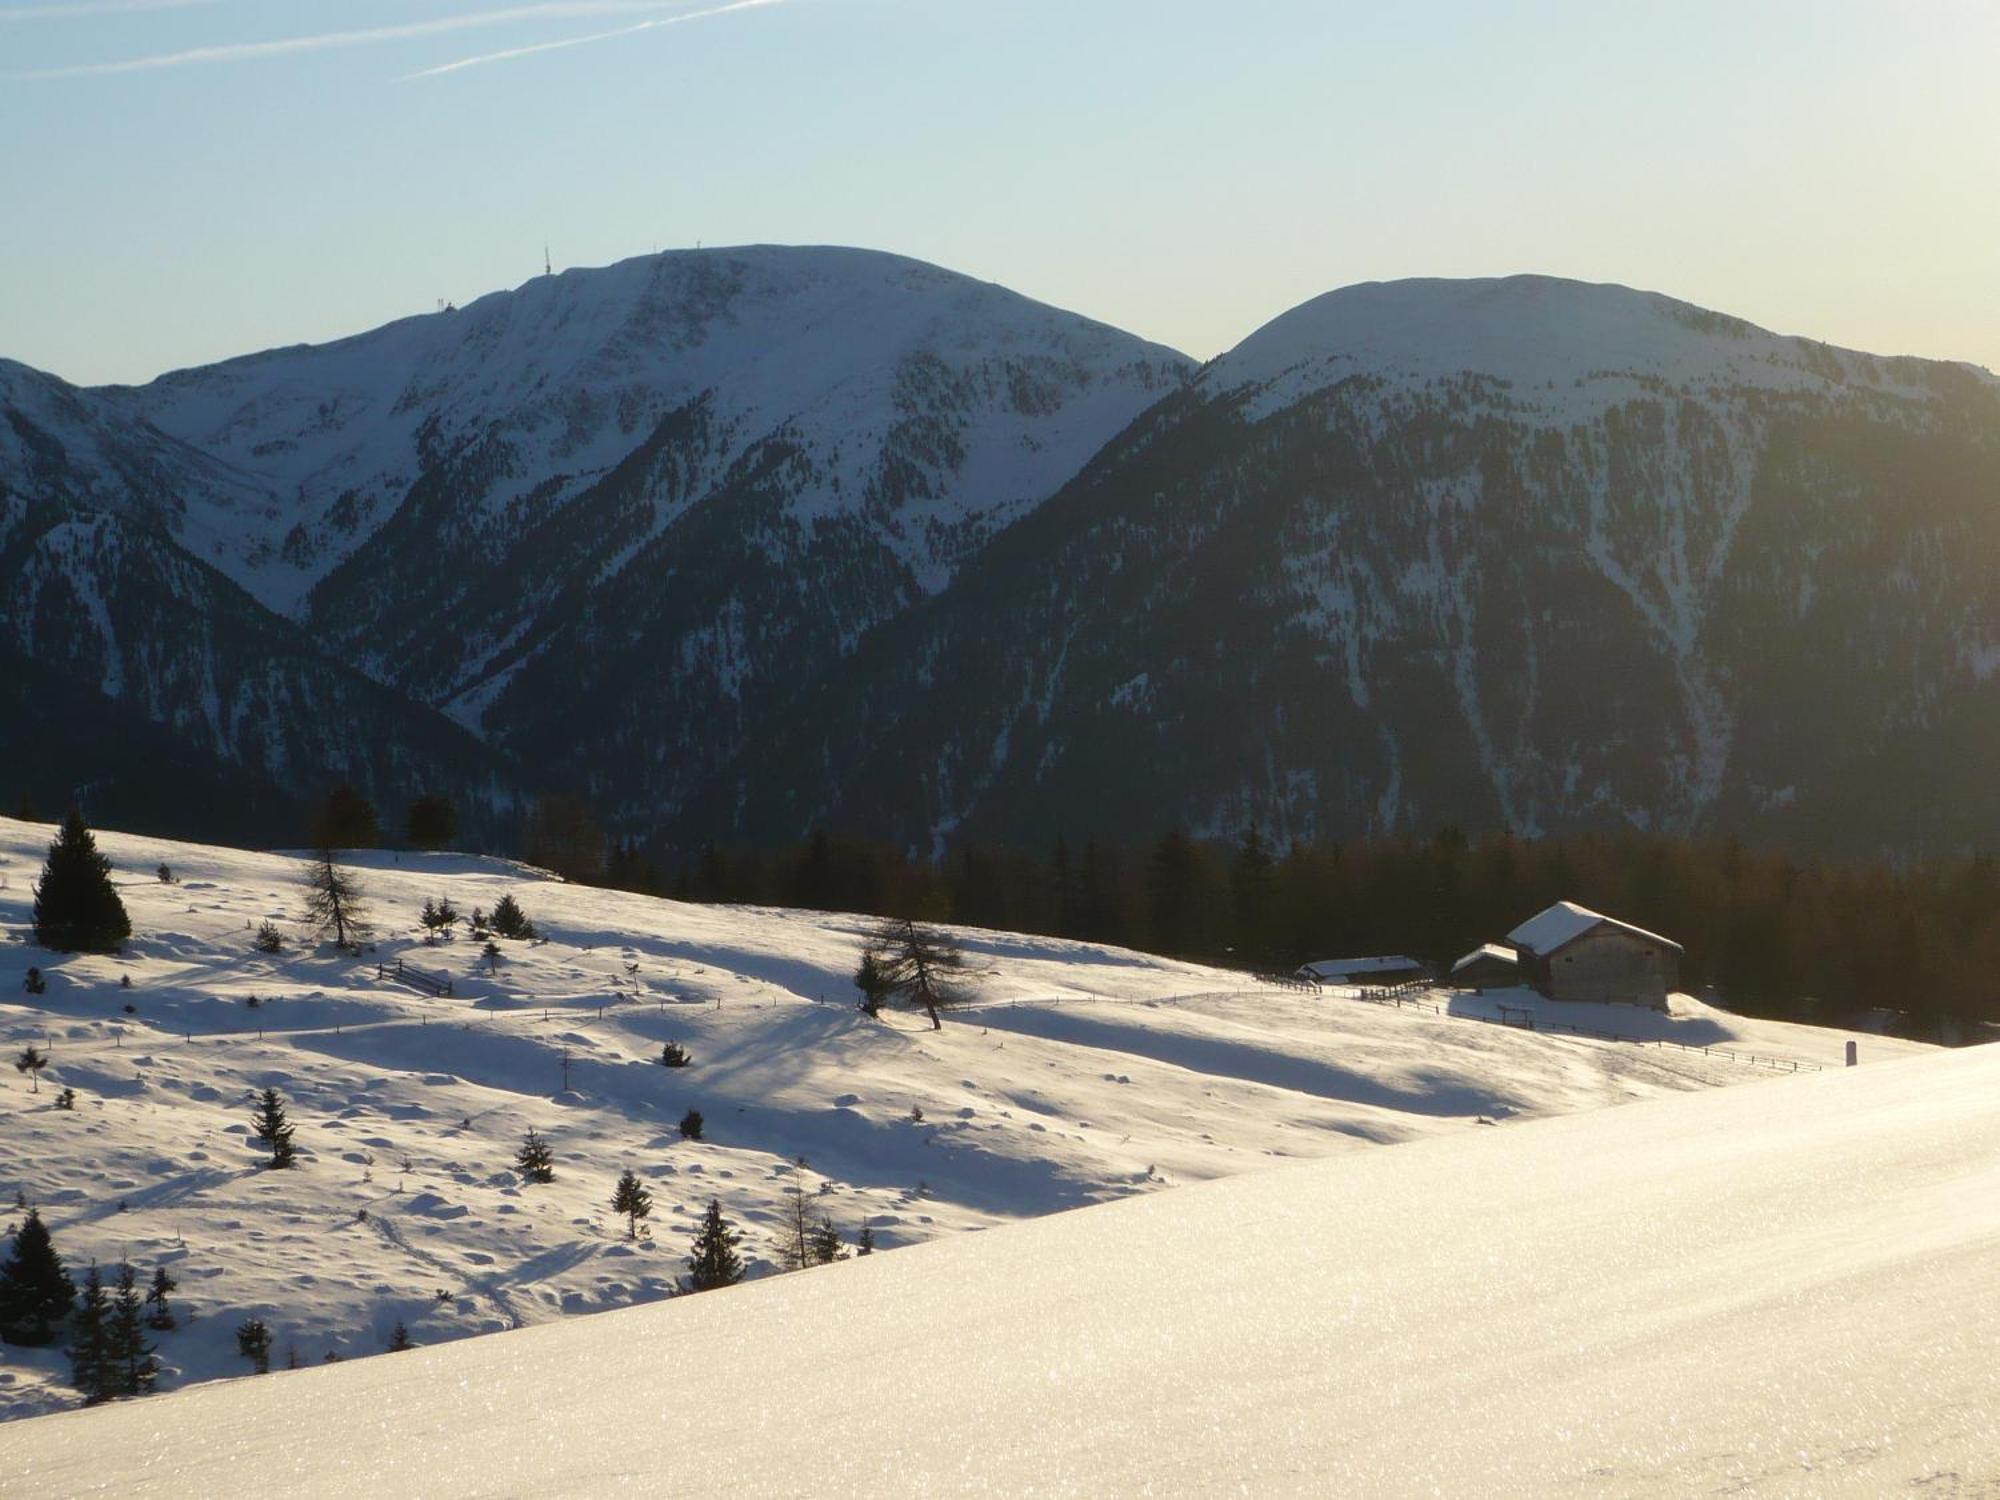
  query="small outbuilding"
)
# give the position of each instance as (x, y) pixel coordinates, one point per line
(1487, 967)
(1572, 953)
(1394, 968)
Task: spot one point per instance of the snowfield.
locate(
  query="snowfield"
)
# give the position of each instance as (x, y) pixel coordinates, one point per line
(1081, 1074)
(1781, 1290)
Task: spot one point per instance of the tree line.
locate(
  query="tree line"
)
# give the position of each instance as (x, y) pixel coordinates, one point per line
(1772, 934)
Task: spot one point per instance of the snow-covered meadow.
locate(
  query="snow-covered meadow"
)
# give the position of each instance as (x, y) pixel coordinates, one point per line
(1079, 1074)
(1779, 1290)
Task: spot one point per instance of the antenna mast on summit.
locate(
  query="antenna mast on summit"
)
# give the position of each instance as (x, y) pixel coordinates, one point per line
(548, 266)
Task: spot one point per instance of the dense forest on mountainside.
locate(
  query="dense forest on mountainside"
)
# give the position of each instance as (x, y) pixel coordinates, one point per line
(1771, 934)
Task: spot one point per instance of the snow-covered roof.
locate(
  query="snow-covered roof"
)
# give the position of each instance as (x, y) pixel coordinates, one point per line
(1328, 968)
(1565, 922)
(1486, 950)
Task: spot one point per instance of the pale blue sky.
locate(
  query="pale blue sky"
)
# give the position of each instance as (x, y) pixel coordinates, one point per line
(1185, 170)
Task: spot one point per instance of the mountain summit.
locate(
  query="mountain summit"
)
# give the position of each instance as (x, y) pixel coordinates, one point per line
(1523, 553)
(608, 520)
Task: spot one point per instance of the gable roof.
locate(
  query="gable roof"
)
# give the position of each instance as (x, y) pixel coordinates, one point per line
(1486, 950)
(1565, 922)
(1387, 964)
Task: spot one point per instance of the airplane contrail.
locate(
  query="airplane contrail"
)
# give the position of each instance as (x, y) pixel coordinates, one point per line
(232, 52)
(91, 8)
(584, 41)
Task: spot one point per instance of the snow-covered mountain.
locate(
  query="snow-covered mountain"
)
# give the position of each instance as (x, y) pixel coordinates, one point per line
(1525, 552)
(612, 518)
(1777, 1290)
(145, 684)
(738, 542)
(1077, 1074)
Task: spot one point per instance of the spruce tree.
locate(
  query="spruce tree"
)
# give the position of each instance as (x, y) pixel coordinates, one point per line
(534, 1161)
(691, 1125)
(825, 1243)
(715, 1262)
(399, 1339)
(432, 822)
(872, 979)
(76, 908)
(273, 1129)
(510, 921)
(90, 1355)
(253, 1342)
(346, 820)
(31, 1061)
(131, 1365)
(35, 1291)
(333, 901)
(161, 1316)
(631, 1199)
(864, 1243)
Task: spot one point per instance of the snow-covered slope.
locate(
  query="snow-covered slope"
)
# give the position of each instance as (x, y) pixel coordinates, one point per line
(1080, 1074)
(1564, 350)
(939, 403)
(61, 443)
(1782, 1290)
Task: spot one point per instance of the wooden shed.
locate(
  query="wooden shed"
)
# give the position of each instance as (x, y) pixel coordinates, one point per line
(1572, 953)
(1394, 968)
(1487, 967)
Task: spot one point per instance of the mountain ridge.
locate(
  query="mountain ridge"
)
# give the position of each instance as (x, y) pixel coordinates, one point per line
(890, 547)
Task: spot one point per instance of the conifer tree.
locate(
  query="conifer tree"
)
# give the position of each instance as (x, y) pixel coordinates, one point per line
(872, 979)
(274, 1130)
(162, 1316)
(399, 1339)
(534, 1161)
(346, 820)
(432, 822)
(76, 908)
(253, 1342)
(825, 1243)
(691, 1125)
(90, 1354)
(333, 901)
(631, 1199)
(35, 1291)
(915, 963)
(715, 1262)
(674, 1055)
(31, 1061)
(509, 921)
(864, 1243)
(131, 1367)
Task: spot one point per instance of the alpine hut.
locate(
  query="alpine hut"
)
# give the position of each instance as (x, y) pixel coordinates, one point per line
(1572, 953)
